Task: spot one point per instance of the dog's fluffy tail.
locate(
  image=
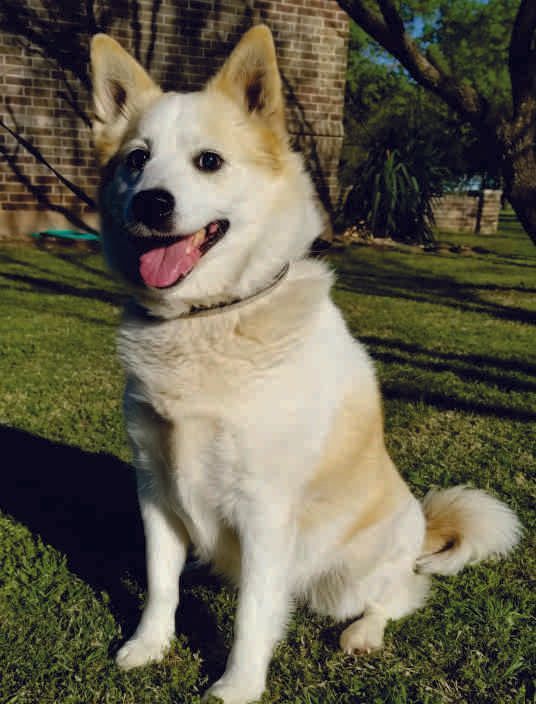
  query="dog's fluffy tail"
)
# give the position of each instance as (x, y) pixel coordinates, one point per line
(464, 526)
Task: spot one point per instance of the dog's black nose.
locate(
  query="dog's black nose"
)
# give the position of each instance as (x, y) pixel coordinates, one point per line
(154, 208)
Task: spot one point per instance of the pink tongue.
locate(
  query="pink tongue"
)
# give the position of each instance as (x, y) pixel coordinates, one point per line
(162, 266)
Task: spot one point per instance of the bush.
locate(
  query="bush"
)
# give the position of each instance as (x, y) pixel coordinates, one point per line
(390, 198)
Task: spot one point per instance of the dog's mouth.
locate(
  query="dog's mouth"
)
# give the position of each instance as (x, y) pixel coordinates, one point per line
(165, 261)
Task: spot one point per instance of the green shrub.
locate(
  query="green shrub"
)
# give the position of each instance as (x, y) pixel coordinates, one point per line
(390, 198)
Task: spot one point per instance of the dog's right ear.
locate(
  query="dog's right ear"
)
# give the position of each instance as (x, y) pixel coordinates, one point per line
(121, 88)
(250, 77)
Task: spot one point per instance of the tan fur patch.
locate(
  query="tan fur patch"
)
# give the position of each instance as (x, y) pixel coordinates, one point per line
(299, 298)
(108, 141)
(122, 89)
(255, 140)
(442, 533)
(226, 557)
(356, 476)
(250, 78)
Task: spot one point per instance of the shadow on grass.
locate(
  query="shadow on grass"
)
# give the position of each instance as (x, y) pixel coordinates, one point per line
(40, 306)
(436, 290)
(51, 286)
(396, 392)
(500, 373)
(395, 280)
(74, 258)
(85, 505)
(508, 365)
(67, 283)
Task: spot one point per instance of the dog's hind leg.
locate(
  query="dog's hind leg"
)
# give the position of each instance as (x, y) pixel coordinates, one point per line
(400, 596)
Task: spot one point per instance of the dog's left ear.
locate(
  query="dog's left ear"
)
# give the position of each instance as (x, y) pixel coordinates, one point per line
(121, 89)
(250, 77)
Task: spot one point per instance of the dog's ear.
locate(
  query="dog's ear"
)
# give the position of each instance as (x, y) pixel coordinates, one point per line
(250, 77)
(121, 88)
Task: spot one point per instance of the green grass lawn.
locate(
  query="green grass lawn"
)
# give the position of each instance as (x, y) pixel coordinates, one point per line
(455, 347)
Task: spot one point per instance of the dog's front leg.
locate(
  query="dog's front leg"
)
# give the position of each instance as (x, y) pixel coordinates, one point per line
(166, 545)
(267, 548)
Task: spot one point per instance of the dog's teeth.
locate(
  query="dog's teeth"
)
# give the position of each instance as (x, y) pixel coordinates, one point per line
(199, 237)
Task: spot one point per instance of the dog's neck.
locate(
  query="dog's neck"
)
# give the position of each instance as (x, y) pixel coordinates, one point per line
(205, 311)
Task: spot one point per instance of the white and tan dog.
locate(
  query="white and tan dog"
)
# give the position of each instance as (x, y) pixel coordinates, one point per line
(255, 417)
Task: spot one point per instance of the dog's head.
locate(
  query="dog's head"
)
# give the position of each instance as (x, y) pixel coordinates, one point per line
(202, 198)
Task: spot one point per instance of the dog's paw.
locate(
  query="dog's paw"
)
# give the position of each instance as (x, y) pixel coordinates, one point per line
(140, 651)
(231, 692)
(363, 636)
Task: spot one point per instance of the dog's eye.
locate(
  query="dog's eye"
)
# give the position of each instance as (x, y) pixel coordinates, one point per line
(136, 160)
(208, 161)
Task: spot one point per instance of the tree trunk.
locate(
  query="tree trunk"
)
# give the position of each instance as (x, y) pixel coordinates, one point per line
(518, 144)
(522, 198)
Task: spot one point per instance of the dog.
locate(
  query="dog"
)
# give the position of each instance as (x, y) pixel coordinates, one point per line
(254, 416)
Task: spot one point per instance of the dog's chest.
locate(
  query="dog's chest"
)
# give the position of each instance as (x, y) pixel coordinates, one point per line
(185, 401)
(187, 367)
(194, 462)
(204, 477)
(218, 418)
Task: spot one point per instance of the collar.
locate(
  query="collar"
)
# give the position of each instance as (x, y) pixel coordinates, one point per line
(205, 311)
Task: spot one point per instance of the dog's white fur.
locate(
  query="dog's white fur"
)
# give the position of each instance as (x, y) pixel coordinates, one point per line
(257, 432)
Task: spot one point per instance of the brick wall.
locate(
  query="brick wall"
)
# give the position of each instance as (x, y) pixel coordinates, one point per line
(45, 89)
(478, 213)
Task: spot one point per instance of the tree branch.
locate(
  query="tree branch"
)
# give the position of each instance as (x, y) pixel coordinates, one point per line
(41, 159)
(522, 56)
(41, 197)
(391, 16)
(55, 40)
(389, 31)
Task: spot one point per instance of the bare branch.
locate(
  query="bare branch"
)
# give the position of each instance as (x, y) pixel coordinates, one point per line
(388, 30)
(371, 22)
(40, 196)
(55, 40)
(70, 97)
(41, 159)
(154, 29)
(391, 16)
(522, 57)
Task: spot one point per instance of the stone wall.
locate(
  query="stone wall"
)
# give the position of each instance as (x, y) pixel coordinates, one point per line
(45, 104)
(471, 213)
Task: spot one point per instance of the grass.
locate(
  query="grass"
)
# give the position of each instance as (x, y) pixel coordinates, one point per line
(455, 348)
